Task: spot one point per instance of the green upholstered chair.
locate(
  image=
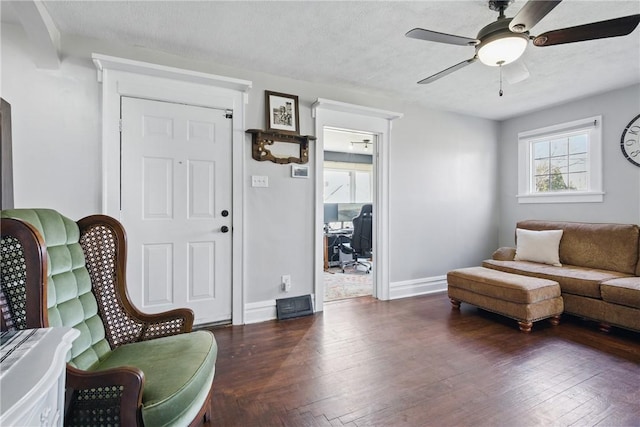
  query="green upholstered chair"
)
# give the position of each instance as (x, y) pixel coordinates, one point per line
(126, 367)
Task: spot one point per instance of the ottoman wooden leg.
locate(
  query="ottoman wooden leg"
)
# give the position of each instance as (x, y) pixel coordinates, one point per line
(554, 320)
(455, 304)
(525, 326)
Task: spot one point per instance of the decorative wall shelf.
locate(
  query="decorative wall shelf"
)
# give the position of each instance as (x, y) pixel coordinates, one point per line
(264, 146)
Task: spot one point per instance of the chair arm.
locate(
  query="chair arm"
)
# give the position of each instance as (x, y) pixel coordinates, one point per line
(167, 323)
(104, 394)
(346, 248)
(504, 254)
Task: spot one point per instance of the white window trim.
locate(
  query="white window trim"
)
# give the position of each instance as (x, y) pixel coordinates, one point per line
(595, 192)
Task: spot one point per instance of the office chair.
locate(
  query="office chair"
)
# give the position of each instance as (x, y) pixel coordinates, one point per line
(361, 241)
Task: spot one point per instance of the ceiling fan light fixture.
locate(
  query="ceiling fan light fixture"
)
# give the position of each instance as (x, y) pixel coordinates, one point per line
(502, 50)
(364, 142)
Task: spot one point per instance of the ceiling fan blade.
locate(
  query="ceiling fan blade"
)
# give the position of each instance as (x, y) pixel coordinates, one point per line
(596, 30)
(449, 70)
(531, 13)
(434, 36)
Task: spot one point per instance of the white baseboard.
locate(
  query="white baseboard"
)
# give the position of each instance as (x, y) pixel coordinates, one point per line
(411, 288)
(261, 311)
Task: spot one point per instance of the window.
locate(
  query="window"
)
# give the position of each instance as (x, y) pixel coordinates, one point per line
(561, 163)
(337, 186)
(347, 182)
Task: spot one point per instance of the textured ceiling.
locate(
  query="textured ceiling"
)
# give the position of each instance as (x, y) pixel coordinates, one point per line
(349, 142)
(361, 45)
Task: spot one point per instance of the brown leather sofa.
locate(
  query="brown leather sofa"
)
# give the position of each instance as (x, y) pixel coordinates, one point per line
(600, 273)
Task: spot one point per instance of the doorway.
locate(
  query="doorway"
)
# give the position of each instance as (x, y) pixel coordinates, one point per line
(348, 206)
(340, 115)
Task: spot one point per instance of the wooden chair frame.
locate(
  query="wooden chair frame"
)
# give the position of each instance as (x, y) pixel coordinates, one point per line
(35, 271)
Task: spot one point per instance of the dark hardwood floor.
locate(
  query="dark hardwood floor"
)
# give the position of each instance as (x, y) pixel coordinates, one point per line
(415, 362)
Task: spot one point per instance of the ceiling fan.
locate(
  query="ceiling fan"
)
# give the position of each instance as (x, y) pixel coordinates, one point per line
(364, 142)
(505, 40)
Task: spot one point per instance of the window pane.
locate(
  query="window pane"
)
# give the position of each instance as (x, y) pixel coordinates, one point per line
(541, 149)
(363, 187)
(542, 167)
(558, 182)
(578, 181)
(559, 147)
(578, 144)
(578, 163)
(559, 165)
(542, 184)
(337, 186)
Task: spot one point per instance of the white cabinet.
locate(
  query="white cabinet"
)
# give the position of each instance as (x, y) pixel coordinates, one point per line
(32, 376)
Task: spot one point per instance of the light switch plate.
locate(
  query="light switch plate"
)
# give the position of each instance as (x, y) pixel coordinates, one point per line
(259, 181)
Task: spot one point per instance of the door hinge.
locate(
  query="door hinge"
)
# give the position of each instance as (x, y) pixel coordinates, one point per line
(120, 125)
(228, 114)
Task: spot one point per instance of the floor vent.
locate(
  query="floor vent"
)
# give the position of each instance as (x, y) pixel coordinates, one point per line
(289, 308)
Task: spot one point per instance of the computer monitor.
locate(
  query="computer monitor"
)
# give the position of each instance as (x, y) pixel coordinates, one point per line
(347, 211)
(341, 212)
(330, 213)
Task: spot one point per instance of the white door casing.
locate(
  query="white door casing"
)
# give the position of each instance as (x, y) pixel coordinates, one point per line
(123, 77)
(329, 113)
(176, 202)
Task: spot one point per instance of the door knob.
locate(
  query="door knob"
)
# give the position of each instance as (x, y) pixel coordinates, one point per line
(224, 229)
(225, 213)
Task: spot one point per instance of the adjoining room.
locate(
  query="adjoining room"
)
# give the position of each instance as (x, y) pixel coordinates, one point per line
(349, 177)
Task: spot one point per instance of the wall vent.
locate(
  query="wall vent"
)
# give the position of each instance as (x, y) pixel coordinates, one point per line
(289, 308)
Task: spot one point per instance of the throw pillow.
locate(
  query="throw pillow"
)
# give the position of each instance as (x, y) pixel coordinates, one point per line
(538, 246)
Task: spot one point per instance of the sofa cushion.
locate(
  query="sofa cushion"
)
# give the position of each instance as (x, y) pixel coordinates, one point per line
(176, 370)
(572, 279)
(504, 253)
(538, 246)
(625, 291)
(600, 246)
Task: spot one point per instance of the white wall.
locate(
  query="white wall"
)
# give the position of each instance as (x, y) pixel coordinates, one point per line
(55, 130)
(621, 179)
(442, 177)
(442, 193)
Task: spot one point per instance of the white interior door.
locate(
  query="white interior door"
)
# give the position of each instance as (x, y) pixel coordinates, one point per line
(176, 207)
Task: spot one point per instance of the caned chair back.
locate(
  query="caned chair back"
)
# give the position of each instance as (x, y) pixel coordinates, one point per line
(22, 261)
(69, 298)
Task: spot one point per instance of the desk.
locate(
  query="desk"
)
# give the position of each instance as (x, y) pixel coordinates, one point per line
(330, 243)
(33, 376)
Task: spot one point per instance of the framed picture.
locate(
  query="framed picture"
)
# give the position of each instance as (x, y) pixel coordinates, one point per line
(298, 171)
(282, 112)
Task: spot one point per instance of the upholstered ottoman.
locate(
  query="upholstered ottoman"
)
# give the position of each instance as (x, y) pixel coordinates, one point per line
(525, 299)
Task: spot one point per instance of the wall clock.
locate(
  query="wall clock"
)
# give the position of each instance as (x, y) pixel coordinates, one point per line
(630, 141)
